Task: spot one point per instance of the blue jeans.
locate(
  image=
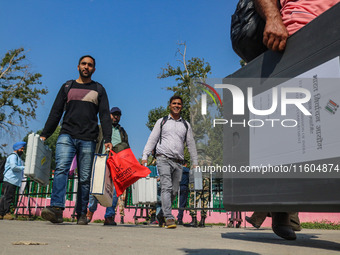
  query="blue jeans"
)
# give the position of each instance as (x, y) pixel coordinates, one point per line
(159, 203)
(183, 198)
(66, 148)
(110, 211)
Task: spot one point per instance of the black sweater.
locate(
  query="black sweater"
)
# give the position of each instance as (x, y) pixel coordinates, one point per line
(83, 103)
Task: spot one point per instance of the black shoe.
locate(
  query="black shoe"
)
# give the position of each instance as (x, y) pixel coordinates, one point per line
(53, 214)
(179, 222)
(286, 232)
(82, 220)
(193, 223)
(161, 220)
(202, 223)
(121, 219)
(249, 220)
(296, 228)
(238, 224)
(110, 221)
(281, 226)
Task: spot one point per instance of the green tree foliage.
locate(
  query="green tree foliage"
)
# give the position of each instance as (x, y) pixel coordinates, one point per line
(156, 114)
(186, 76)
(191, 70)
(20, 91)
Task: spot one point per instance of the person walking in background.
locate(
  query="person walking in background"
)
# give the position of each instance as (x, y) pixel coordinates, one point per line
(13, 175)
(168, 137)
(119, 136)
(121, 204)
(199, 186)
(183, 193)
(82, 100)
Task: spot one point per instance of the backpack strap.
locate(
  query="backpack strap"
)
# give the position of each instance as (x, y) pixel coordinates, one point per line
(187, 127)
(99, 88)
(164, 120)
(67, 87)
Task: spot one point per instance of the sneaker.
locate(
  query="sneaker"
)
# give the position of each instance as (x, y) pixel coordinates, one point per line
(161, 220)
(89, 216)
(170, 223)
(52, 214)
(8, 216)
(82, 220)
(110, 221)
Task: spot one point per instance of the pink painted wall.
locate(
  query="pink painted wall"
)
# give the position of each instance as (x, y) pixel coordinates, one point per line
(213, 217)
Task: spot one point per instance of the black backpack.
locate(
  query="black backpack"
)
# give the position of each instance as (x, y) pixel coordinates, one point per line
(164, 120)
(2, 168)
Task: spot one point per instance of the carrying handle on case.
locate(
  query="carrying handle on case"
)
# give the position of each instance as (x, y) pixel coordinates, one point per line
(148, 176)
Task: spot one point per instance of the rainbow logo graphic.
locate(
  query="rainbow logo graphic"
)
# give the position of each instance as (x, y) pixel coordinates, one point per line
(209, 93)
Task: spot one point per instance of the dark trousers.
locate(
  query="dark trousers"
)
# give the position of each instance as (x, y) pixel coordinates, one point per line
(7, 198)
(259, 217)
(183, 198)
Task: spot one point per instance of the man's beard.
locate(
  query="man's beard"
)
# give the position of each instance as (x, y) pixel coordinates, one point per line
(88, 75)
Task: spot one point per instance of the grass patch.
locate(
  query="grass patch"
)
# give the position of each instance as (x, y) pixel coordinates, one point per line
(98, 221)
(215, 224)
(321, 225)
(39, 218)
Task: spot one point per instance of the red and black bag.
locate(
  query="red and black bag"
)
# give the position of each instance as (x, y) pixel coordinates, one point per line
(125, 169)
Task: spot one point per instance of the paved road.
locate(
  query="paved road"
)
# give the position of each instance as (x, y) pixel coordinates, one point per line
(96, 239)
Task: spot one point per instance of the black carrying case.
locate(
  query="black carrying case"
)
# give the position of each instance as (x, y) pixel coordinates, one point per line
(314, 44)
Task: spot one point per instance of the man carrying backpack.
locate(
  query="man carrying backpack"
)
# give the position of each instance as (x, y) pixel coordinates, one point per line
(168, 136)
(82, 100)
(13, 174)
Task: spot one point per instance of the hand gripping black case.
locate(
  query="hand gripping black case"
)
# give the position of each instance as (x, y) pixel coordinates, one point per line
(313, 45)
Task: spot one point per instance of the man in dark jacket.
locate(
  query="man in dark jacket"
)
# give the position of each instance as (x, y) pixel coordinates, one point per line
(82, 100)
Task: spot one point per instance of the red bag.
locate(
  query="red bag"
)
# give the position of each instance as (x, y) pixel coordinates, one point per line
(125, 169)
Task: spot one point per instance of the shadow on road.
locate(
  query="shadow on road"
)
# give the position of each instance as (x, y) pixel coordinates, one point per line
(303, 240)
(216, 252)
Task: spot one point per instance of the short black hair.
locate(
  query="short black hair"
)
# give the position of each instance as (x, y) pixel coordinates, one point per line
(174, 97)
(87, 56)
